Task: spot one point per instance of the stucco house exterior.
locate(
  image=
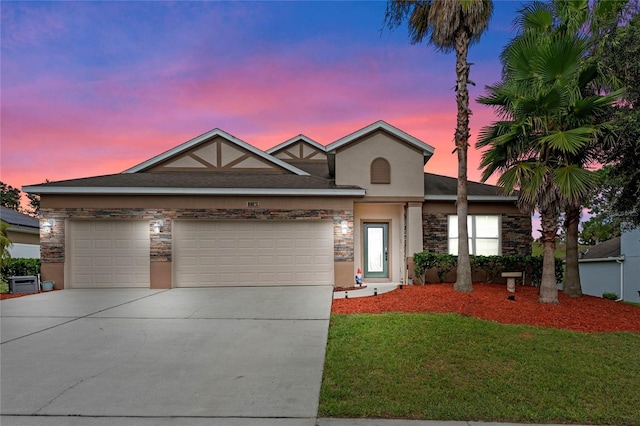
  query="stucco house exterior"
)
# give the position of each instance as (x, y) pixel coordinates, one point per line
(24, 233)
(216, 211)
(613, 267)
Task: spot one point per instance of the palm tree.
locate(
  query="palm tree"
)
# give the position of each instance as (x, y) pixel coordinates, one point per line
(542, 144)
(450, 25)
(5, 243)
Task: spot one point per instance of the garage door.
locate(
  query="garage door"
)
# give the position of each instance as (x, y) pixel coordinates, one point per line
(252, 253)
(109, 253)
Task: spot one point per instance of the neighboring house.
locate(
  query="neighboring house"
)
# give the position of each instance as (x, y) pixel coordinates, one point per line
(24, 233)
(613, 267)
(216, 211)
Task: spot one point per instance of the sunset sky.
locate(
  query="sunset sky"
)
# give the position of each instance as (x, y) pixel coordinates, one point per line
(92, 88)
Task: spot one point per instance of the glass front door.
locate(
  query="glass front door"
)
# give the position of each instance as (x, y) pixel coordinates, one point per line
(376, 250)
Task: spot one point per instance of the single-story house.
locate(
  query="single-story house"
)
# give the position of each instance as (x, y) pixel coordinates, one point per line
(217, 211)
(23, 232)
(613, 267)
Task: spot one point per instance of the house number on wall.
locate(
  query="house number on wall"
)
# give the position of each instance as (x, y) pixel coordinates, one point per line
(252, 204)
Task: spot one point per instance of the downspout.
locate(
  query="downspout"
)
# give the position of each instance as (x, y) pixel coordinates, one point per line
(621, 262)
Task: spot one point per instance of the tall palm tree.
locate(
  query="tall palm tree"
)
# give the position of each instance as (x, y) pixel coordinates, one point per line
(541, 145)
(450, 25)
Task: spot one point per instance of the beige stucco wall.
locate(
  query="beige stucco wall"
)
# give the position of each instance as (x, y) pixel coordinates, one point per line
(353, 161)
(53, 272)
(394, 215)
(192, 202)
(30, 237)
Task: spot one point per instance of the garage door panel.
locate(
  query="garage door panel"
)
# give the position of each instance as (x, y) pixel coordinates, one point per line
(109, 253)
(252, 253)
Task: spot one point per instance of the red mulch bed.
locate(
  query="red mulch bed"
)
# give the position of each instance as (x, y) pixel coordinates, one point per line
(4, 296)
(489, 301)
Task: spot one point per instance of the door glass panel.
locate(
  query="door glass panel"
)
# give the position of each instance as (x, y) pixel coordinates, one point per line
(375, 250)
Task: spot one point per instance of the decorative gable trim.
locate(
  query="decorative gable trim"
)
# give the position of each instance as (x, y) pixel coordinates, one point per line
(197, 162)
(299, 148)
(293, 140)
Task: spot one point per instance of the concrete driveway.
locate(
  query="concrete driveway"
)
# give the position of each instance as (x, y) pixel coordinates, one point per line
(215, 356)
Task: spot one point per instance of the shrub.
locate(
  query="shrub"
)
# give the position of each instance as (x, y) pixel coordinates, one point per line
(424, 261)
(493, 266)
(610, 296)
(21, 267)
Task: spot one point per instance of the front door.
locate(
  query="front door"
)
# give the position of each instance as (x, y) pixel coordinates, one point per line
(376, 250)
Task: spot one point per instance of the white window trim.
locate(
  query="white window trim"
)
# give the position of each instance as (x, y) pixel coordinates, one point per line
(472, 233)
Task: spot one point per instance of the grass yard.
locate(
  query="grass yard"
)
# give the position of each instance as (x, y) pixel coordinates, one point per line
(455, 367)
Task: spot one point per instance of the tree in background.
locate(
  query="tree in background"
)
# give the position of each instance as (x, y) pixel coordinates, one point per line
(450, 25)
(9, 197)
(618, 50)
(542, 145)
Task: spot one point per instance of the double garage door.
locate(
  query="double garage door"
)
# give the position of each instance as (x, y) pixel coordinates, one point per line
(205, 253)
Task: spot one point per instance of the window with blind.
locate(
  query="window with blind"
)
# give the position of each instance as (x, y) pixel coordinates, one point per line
(484, 234)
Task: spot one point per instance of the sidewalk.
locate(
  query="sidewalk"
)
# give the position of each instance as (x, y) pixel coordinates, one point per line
(369, 290)
(385, 422)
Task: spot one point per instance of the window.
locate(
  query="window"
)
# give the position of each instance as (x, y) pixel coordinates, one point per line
(380, 171)
(484, 234)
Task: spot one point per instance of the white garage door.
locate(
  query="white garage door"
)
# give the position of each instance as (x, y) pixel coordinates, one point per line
(219, 253)
(109, 253)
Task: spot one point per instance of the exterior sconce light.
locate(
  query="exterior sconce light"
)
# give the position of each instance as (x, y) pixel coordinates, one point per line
(47, 226)
(157, 226)
(345, 227)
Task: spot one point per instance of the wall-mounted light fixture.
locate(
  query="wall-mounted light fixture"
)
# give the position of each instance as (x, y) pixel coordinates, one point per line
(157, 226)
(47, 225)
(345, 227)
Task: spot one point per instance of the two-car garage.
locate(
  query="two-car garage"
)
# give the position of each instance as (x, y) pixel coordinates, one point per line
(205, 253)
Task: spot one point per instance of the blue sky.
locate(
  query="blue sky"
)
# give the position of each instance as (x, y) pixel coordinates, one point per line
(91, 88)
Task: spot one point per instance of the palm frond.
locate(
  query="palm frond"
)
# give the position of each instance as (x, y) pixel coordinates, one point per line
(568, 141)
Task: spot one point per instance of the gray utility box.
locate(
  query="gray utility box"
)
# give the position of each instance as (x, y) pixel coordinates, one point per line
(26, 284)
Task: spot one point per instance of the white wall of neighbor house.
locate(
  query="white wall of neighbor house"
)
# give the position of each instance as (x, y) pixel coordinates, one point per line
(630, 247)
(391, 213)
(619, 275)
(20, 250)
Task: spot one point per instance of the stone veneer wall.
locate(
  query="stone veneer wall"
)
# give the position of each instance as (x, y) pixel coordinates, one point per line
(52, 244)
(516, 233)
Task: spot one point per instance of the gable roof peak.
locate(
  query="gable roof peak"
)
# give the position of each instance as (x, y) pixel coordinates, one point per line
(382, 125)
(145, 165)
(295, 139)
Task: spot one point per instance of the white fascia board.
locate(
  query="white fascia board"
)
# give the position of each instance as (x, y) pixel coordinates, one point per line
(472, 197)
(24, 229)
(296, 139)
(196, 191)
(206, 136)
(426, 148)
(603, 259)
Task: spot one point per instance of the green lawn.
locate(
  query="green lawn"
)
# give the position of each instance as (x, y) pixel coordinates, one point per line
(452, 367)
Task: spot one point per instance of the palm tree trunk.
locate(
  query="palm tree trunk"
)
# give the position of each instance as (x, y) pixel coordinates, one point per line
(463, 278)
(572, 286)
(548, 288)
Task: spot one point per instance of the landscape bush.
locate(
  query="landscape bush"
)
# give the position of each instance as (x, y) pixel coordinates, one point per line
(493, 266)
(20, 267)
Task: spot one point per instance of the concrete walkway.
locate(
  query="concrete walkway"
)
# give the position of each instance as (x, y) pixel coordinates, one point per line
(367, 291)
